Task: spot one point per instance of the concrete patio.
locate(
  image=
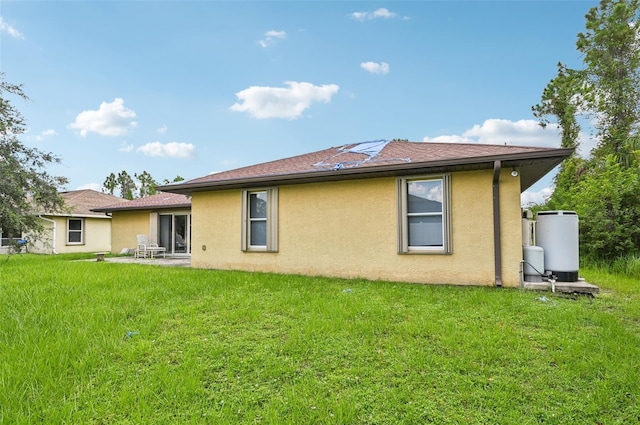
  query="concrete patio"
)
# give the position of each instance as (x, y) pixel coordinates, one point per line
(156, 261)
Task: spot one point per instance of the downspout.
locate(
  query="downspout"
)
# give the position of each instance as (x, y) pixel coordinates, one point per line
(497, 248)
(53, 245)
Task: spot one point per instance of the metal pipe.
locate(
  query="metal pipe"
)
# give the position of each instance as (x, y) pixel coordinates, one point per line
(521, 273)
(497, 248)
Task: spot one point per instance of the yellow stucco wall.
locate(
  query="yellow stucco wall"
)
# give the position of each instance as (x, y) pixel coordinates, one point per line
(125, 226)
(349, 229)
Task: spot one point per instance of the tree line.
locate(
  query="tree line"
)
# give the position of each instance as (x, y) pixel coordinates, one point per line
(127, 187)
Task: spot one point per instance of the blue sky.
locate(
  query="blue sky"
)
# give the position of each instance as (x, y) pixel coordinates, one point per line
(190, 88)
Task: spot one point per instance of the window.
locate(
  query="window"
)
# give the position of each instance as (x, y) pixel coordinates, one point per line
(260, 220)
(424, 215)
(74, 231)
(9, 236)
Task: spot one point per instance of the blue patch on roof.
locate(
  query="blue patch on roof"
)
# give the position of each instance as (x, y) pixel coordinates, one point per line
(370, 148)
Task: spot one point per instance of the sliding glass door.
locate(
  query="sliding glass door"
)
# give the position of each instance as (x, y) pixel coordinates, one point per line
(175, 233)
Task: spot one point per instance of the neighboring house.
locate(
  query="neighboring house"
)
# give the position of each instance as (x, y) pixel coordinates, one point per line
(164, 217)
(76, 228)
(403, 211)
(8, 237)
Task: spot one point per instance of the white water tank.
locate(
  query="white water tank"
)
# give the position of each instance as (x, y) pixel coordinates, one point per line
(533, 263)
(557, 235)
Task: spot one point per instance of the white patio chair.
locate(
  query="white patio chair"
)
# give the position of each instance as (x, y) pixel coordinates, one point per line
(145, 248)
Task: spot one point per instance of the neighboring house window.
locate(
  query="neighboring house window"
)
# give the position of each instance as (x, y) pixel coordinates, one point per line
(424, 215)
(260, 220)
(9, 236)
(75, 231)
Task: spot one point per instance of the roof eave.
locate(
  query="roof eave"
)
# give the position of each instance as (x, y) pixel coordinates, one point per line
(143, 208)
(545, 160)
(71, 215)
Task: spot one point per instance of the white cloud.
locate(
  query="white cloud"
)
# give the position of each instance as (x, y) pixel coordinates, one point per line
(49, 132)
(448, 139)
(376, 14)
(519, 133)
(375, 68)
(5, 27)
(426, 190)
(111, 119)
(125, 147)
(171, 150)
(501, 132)
(162, 129)
(271, 37)
(93, 186)
(528, 198)
(282, 102)
(45, 134)
(522, 132)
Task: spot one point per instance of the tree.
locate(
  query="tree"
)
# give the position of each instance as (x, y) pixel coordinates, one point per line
(606, 93)
(559, 100)
(147, 184)
(607, 90)
(612, 79)
(176, 179)
(606, 200)
(110, 184)
(26, 188)
(127, 185)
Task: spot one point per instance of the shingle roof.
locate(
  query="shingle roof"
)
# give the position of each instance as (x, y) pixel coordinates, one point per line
(160, 200)
(81, 202)
(368, 159)
(343, 157)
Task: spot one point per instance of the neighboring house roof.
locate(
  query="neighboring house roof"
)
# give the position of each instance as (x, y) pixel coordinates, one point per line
(79, 203)
(158, 201)
(382, 158)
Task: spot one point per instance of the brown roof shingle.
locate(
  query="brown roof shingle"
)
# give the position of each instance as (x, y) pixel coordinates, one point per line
(366, 159)
(81, 202)
(162, 200)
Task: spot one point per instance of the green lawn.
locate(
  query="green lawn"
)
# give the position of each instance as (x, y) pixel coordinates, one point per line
(104, 343)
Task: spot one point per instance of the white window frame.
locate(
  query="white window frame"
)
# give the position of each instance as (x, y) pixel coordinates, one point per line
(70, 231)
(271, 220)
(403, 216)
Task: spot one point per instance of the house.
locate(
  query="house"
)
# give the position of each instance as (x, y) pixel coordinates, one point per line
(164, 217)
(7, 239)
(393, 210)
(76, 228)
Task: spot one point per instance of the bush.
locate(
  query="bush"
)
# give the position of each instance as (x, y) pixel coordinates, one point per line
(605, 197)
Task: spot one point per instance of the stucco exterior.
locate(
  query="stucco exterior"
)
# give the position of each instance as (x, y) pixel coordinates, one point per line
(350, 229)
(96, 236)
(125, 226)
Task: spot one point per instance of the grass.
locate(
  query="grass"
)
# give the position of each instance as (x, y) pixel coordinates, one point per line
(627, 266)
(104, 343)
